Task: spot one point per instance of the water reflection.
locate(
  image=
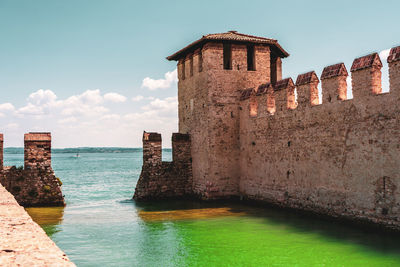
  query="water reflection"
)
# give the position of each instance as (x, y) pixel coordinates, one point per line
(284, 222)
(49, 218)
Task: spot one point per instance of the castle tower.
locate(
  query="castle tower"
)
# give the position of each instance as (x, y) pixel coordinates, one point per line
(211, 72)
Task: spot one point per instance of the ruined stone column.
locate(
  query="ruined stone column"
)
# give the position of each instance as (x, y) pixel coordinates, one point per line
(394, 70)
(307, 89)
(37, 151)
(151, 148)
(334, 85)
(366, 76)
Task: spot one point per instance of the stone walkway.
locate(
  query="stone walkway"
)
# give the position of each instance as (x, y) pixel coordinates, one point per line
(22, 241)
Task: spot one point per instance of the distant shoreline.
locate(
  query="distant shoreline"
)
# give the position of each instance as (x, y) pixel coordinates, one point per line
(20, 150)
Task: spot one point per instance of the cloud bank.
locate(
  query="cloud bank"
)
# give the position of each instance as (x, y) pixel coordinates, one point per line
(170, 78)
(93, 117)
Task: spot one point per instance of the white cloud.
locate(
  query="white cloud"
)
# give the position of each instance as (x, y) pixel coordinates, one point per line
(114, 97)
(168, 104)
(83, 119)
(31, 109)
(170, 78)
(42, 97)
(114, 117)
(7, 107)
(68, 120)
(12, 126)
(384, 54)
(137, 98)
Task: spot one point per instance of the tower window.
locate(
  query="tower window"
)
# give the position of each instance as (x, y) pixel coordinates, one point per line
(200, 61)
(183, 69)
(274, 73)
(250, 58)
(227, 56)
(191, 65)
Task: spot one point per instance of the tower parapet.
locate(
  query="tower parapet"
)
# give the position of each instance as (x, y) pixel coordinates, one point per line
(394, 70)
(307, 89)
(366, 75)
(334, 84)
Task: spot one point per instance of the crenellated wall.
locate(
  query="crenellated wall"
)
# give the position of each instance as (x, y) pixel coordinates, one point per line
(36, 183)
(340, 158)
(160, 179)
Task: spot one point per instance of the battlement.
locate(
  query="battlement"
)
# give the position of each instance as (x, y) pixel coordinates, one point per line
(366, 82)
(36, 184)
(163, 179)
(37, 150)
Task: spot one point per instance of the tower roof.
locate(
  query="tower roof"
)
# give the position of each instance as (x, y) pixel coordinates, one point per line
(231, 36)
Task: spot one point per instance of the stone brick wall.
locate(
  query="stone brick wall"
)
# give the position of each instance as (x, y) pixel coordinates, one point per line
(340, 158)
(37, 151)
(36, 184)
(165, 180)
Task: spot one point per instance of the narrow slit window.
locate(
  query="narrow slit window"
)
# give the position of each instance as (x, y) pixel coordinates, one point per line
(183, 70)
(273, 69)
(250, 58)
(200, 61)
(227, 56)
(191, 65)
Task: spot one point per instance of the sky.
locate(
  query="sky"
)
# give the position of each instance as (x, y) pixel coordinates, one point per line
(94, 73)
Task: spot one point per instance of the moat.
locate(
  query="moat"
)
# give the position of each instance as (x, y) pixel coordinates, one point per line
(102, 225)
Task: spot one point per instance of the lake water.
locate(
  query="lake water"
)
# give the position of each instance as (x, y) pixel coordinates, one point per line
(102, 226)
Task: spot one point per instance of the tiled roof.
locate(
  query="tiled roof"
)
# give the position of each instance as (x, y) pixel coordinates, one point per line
(151, 136)
(232, 36)
(366, 62)
(283, 84)
(37, 136)
(334, 71)
(306, 78)
(263, 88)
(246, 93)
(394, 54)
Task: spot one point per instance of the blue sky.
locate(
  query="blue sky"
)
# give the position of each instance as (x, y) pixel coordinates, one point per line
(77, 68)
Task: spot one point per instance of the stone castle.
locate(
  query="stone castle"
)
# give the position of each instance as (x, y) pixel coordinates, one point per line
(35, 184)
(243, 133)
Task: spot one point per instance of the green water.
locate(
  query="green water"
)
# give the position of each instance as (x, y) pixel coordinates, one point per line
(102, 226)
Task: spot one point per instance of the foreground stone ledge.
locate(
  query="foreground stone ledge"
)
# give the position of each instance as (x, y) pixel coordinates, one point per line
(22, 241)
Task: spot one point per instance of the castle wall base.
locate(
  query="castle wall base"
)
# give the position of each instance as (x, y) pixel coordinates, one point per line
(32, 187)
